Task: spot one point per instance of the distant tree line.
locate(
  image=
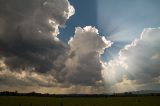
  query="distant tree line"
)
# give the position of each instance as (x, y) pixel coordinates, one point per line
(125, 94)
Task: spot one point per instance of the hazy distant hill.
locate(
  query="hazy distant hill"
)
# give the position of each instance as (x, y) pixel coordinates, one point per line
(146, 92)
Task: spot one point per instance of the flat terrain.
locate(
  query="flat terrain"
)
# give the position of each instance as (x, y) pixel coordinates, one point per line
(101, 101)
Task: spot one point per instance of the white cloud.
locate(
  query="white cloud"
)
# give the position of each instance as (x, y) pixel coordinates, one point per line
(138, 61)
(83, 66)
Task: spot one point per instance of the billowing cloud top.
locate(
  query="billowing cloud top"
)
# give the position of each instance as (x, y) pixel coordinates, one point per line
(84, 64)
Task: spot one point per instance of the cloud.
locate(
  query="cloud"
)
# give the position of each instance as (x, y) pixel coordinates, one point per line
(29, 47)
(28, 35)
(138, 62)
(32, 57)
(83, 66)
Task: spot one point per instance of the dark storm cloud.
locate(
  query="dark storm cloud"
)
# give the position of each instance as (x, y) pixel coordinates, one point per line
(27, 37)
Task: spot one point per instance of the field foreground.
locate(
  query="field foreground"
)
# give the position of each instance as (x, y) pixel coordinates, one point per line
(87, 101)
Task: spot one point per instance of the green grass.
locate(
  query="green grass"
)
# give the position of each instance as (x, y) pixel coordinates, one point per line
(52, 101)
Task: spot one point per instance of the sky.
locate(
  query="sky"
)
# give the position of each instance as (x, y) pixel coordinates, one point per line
(79, 46)
(120, 22)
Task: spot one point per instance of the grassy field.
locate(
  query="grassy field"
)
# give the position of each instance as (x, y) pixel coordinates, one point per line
(52, 101)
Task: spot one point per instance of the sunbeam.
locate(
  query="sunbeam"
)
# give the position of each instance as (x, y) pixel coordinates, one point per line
(122, 26)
